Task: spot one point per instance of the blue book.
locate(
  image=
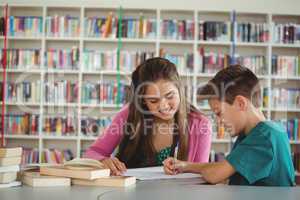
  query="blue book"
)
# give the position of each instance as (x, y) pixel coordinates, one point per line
(11, 25)
(296, 129)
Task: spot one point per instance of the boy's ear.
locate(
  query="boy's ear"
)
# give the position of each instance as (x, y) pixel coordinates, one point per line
(241, 102)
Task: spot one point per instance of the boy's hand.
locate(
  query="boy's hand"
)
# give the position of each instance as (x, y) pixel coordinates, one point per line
(173, 166)
(116, 167)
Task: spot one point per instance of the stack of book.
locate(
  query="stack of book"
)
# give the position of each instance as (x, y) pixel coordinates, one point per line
(108, 92)
(86, 172)
(288, 66)
(55, 156)
(286, 33)
(62, 26)
(23, 26)
(60, 92)
(94, 60)
(177, 29)
(212, 62)
(252, 32)
(59, 126)
(214, 31)
(21, 58)
(94, 126)
(89, 173)
(21, 92)
(107, 27)
(66, 59)
(255, 63)
(10, 160)
(21, 124)
(285, 98)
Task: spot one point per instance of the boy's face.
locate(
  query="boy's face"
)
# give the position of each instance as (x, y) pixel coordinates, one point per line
(231, 117)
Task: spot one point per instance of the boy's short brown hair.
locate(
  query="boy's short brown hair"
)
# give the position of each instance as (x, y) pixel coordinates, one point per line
(230, 82)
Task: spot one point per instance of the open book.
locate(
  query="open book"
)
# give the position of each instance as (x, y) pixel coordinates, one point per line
(157, 173)
(81, 168)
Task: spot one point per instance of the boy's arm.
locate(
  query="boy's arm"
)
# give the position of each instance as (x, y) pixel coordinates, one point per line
(211, 172)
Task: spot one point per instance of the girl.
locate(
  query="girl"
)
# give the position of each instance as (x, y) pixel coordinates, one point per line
(157, 122)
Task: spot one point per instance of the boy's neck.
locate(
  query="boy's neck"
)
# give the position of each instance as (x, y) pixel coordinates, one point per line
(255, 116)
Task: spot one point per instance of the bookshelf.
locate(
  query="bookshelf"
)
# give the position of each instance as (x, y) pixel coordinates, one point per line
(178, 48)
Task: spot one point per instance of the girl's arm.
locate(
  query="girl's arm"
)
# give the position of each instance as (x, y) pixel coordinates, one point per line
(107, 142)
(204, 134)
(200, 136)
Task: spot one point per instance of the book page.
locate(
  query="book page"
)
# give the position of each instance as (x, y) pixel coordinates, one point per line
(157, 173)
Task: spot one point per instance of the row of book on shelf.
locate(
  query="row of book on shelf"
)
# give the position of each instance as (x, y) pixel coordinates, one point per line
(31, 58)
(287, 66)
(105, 93)
(108, 27)
(51, 156)
(292, 127)
(95, 60)
(60, 92)
(287, 33)
(284, 98)
(144, 27)
(28, 124)
(112, 93)
(25, 91)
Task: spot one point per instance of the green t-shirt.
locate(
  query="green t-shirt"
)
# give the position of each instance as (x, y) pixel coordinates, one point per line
(262, 157)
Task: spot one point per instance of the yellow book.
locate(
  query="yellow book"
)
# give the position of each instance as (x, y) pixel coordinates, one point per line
(108, 24)
(113, 181)
(35, 179)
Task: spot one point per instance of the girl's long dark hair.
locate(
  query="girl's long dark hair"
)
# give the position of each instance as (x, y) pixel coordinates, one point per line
(136, 148)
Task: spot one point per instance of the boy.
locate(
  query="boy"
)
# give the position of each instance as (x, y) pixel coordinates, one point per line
(261, 154)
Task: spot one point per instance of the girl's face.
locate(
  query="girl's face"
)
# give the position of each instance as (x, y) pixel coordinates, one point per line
(162, 99)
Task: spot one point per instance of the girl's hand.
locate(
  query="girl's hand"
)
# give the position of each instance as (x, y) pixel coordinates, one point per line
(173, 166)
(117, 167)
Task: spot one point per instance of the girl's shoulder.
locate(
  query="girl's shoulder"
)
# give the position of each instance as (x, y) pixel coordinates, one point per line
(197, 117)
(123, 113)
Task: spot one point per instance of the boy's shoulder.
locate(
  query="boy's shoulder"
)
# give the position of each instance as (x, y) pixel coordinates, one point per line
(270, 130)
